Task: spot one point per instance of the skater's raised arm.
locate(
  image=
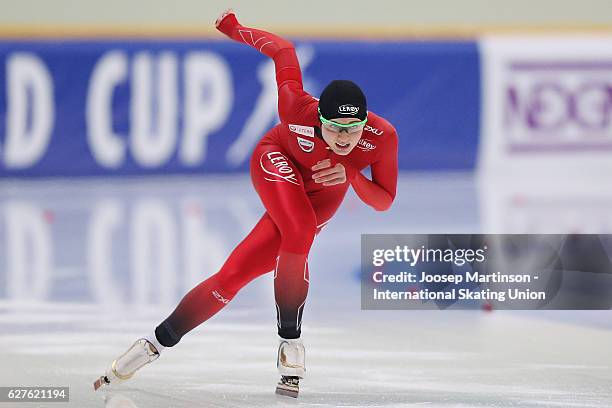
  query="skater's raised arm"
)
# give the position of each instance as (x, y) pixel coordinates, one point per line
(379, 192)
(292, 98)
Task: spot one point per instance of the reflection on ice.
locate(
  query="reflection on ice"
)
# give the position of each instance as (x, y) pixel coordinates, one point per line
(530, 204)
(118, 401)
(86, 266)
(146, 242)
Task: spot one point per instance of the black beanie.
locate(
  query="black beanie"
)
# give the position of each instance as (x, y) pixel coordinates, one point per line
(343, 99)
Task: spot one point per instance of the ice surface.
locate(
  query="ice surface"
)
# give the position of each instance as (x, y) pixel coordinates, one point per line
(88, 266)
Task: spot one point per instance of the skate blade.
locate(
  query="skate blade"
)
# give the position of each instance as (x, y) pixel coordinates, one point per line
(287, 390)
(99, 383)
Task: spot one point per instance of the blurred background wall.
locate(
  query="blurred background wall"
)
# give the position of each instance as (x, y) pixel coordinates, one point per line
(311, 16)
(504, 111)
(151, 88)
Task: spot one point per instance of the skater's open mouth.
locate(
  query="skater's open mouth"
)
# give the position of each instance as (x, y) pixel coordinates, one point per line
(342, 145)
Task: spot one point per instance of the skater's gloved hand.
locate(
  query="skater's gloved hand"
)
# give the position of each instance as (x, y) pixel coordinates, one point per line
(226, 22)
(328, 175)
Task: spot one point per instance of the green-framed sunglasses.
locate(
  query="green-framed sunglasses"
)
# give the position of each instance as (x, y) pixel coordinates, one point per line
(336, 127)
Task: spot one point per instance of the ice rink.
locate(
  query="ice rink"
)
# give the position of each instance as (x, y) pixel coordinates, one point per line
(87, 266)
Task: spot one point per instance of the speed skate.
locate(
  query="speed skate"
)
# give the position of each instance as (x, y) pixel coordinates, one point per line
(288, 386)
(141, 353)
(291, 364)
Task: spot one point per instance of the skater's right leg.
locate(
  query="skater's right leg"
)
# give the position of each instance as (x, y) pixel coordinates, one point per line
(254, 256)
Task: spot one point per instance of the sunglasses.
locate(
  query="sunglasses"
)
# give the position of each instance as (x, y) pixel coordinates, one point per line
(336, 127)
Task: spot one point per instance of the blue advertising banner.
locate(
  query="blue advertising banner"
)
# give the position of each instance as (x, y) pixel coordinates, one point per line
(79, 108)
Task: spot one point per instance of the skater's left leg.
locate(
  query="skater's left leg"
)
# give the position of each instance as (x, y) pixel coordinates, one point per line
(291, 357)
(285, 199)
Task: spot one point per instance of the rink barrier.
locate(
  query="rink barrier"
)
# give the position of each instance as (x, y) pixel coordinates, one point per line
(504, 104)
(73, 107)
(547, 107)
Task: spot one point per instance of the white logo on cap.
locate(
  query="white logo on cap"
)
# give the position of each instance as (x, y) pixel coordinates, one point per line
(348, 109)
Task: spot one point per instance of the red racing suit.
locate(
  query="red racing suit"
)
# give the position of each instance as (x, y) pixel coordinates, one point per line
(296, 207)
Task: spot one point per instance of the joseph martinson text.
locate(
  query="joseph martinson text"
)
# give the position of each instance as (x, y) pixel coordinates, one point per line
(449, 293)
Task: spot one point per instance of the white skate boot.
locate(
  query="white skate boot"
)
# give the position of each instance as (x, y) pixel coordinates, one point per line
(123, 367)
(291, 364)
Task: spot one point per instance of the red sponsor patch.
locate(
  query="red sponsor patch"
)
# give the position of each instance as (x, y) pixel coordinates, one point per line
(278, 168)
